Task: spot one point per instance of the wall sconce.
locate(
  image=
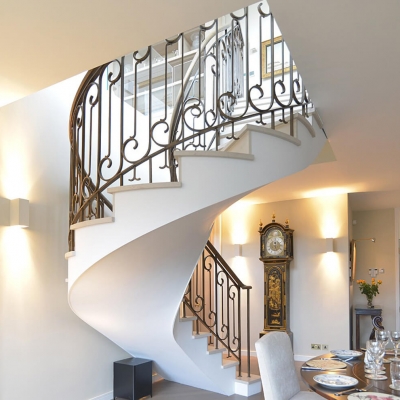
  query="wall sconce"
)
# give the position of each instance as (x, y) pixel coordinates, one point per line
(237, 250)
(19, 213)
(329, 245)
(15, 212)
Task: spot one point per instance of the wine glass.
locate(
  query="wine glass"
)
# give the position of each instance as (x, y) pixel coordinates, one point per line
(375, 350)
(368, 360)
(395, 375)
(383, 337)
(395, 338)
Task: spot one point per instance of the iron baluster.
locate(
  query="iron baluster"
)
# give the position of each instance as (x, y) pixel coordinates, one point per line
(214, 98)
(239, 327)
(224, 288)
(248, 331)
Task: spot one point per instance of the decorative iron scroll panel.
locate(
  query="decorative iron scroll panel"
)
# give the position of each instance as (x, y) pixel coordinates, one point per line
(191, 92)
(276, 276)
(215, 295)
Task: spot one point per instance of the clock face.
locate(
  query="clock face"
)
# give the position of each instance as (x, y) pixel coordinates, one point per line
(274, 243)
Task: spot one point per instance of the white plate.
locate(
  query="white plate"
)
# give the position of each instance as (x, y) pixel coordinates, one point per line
(346, 353)
(335, 381)
(372, 396)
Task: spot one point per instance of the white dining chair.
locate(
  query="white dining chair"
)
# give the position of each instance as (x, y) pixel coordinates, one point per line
(277, 369)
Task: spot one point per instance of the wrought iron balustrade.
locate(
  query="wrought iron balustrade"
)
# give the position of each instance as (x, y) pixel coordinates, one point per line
(194, 91)
(215, 295)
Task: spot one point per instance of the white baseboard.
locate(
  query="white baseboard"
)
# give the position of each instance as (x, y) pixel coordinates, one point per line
(105, 396)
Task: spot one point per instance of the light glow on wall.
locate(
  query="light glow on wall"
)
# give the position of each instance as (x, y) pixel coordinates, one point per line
(331, 191)
(16, 257)
(15, 179)
(331, 265)
(239, 213)
(330, 225)
(240, 267)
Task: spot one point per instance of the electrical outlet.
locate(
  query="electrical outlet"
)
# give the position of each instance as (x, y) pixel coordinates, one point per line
(315, 346)
(324, 347)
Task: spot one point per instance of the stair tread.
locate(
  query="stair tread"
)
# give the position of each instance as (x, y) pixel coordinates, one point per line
(221, 154)
(142, 186)
(228, 363)
(187, 319)
(200, 335)
(212, 350)
(248, 379)
(91, 222)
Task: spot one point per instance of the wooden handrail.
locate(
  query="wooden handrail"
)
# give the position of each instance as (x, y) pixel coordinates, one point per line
(227, 268)
(214, 296)
(198, 121)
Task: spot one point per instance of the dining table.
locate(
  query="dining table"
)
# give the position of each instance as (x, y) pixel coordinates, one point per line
(354, 368)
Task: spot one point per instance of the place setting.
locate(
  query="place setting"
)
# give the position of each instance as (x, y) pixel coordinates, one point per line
(346, 354)
(372, 396)
(344, 382)
(325, 364)
(339, 362)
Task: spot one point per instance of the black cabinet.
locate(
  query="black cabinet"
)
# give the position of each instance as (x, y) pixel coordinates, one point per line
(132, 378)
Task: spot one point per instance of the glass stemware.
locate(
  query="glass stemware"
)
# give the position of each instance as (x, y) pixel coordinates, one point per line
(395, 375)
(375, 353)
(368, 360)
(383, 337)
(395, 338)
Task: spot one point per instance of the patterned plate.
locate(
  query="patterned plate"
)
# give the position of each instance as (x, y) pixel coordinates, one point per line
(335, 381)
(326, 364)
(372, 396)
(346, 353)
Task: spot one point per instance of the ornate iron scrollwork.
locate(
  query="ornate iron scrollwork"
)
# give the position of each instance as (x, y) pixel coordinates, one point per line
(214, 296)
(132, 114)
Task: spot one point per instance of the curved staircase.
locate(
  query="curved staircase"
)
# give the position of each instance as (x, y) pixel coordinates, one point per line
(153, 116)
(129, 271)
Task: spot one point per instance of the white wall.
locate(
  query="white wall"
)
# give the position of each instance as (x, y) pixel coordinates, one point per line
(46, 352)
(319, 281)
(378, 224)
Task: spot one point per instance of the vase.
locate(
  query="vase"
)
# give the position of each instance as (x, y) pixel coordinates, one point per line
(369, 302)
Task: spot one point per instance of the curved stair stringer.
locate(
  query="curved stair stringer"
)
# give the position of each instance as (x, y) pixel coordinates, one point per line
(133, 294)
(127, 278)
(139, 210)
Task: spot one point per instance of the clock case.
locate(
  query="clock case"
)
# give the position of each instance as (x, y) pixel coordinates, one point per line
(276, 280)
(287, 235)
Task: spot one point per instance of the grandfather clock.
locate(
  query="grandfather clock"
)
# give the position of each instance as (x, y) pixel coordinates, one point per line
(276, 252)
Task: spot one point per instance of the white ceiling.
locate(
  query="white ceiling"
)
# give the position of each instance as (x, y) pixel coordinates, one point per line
(347, 52)
(43, 42)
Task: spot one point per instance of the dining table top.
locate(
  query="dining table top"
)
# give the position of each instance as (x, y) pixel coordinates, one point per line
(354, 368)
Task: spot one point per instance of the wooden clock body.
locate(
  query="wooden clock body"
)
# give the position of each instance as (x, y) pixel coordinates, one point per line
(276, 253)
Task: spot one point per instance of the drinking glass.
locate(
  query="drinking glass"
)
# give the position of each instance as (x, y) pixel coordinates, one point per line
(368, 360)
(395, 374)
(375, 350)
(395, 338)
(383, 337)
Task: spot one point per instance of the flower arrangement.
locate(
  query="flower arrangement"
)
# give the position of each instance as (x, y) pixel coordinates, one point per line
(369, 289)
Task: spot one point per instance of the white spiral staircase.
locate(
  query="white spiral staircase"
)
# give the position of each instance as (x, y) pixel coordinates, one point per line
(129, 271)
